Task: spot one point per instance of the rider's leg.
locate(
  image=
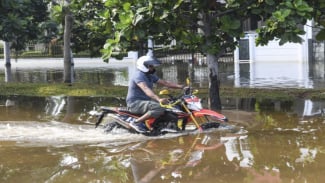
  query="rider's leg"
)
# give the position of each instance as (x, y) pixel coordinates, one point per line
(143, 117)
(148, 109)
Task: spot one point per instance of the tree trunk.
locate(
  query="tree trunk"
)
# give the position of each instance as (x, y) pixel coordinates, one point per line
(8, 74)
(68, 74)
(212, 60)
(214, 96)
(6, 50)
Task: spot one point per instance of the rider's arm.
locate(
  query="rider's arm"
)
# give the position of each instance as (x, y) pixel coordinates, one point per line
(150, 93)
(169, 84)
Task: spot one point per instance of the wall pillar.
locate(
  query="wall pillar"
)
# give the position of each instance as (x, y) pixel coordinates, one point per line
(251, 40)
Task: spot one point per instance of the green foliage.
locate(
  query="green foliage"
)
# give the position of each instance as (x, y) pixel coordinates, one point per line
(284, 21)
(90, 28)
(204, 26)
(135, 21)
(50, 29)
(57, 13)
(319, 17)
(321, 35)
(19, 21)
(229, 23)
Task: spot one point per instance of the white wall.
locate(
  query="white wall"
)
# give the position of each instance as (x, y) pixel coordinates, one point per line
(289, 52)
(273, 52)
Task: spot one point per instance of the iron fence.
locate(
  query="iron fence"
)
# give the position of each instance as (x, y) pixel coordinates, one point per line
(166, 55)
(53, 49)
(316, 51)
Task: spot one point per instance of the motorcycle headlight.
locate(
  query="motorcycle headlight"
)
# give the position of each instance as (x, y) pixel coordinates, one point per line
(195, 106)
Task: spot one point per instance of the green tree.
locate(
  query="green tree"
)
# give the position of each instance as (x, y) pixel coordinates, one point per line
(82, 29)
(89, 31)
(218, 25)
(20, 19)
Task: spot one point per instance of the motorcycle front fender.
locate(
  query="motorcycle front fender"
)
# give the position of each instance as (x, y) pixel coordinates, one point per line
(207, 112)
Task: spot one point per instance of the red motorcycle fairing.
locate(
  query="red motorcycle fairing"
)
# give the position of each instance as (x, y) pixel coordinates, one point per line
(207, 112)
(149, 122)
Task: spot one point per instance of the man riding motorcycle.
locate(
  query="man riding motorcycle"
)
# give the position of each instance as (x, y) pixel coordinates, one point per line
(141, 98)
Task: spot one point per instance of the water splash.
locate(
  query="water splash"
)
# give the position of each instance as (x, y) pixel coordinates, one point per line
(54, 133)
(59, 133)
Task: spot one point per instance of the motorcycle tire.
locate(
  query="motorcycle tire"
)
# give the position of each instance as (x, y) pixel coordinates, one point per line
(209, 125)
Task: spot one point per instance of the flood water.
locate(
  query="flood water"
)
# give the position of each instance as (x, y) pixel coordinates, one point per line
(261, 75)
(53, 139)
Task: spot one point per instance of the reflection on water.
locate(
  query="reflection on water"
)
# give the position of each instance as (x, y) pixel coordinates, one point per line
(267, 75)
(92, 71)
(53, 139)
(274, 75)
(57, 108)
(274, 157)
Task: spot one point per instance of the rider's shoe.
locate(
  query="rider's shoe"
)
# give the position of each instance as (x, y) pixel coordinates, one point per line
(139, 127)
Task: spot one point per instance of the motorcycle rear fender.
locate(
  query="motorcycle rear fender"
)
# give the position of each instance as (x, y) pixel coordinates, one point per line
(207, 112)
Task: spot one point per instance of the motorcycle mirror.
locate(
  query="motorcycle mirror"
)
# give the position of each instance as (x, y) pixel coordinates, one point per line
(164, 92)
(195, 92)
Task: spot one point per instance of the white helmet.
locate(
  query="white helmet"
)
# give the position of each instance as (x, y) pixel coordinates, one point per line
(144, 62)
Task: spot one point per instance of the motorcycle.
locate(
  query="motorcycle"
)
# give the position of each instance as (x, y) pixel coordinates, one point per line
(186, 108)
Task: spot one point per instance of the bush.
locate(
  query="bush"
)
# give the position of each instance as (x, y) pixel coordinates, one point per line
(31, 54)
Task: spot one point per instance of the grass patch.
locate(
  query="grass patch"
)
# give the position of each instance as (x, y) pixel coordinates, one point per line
(288, 93)
(32, 89)
(79, 89)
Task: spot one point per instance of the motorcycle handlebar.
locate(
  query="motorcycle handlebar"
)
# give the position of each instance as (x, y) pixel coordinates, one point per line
(186, 91)
(170, 105)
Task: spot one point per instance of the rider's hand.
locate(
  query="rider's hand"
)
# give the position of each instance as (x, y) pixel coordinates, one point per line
(163, 101)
